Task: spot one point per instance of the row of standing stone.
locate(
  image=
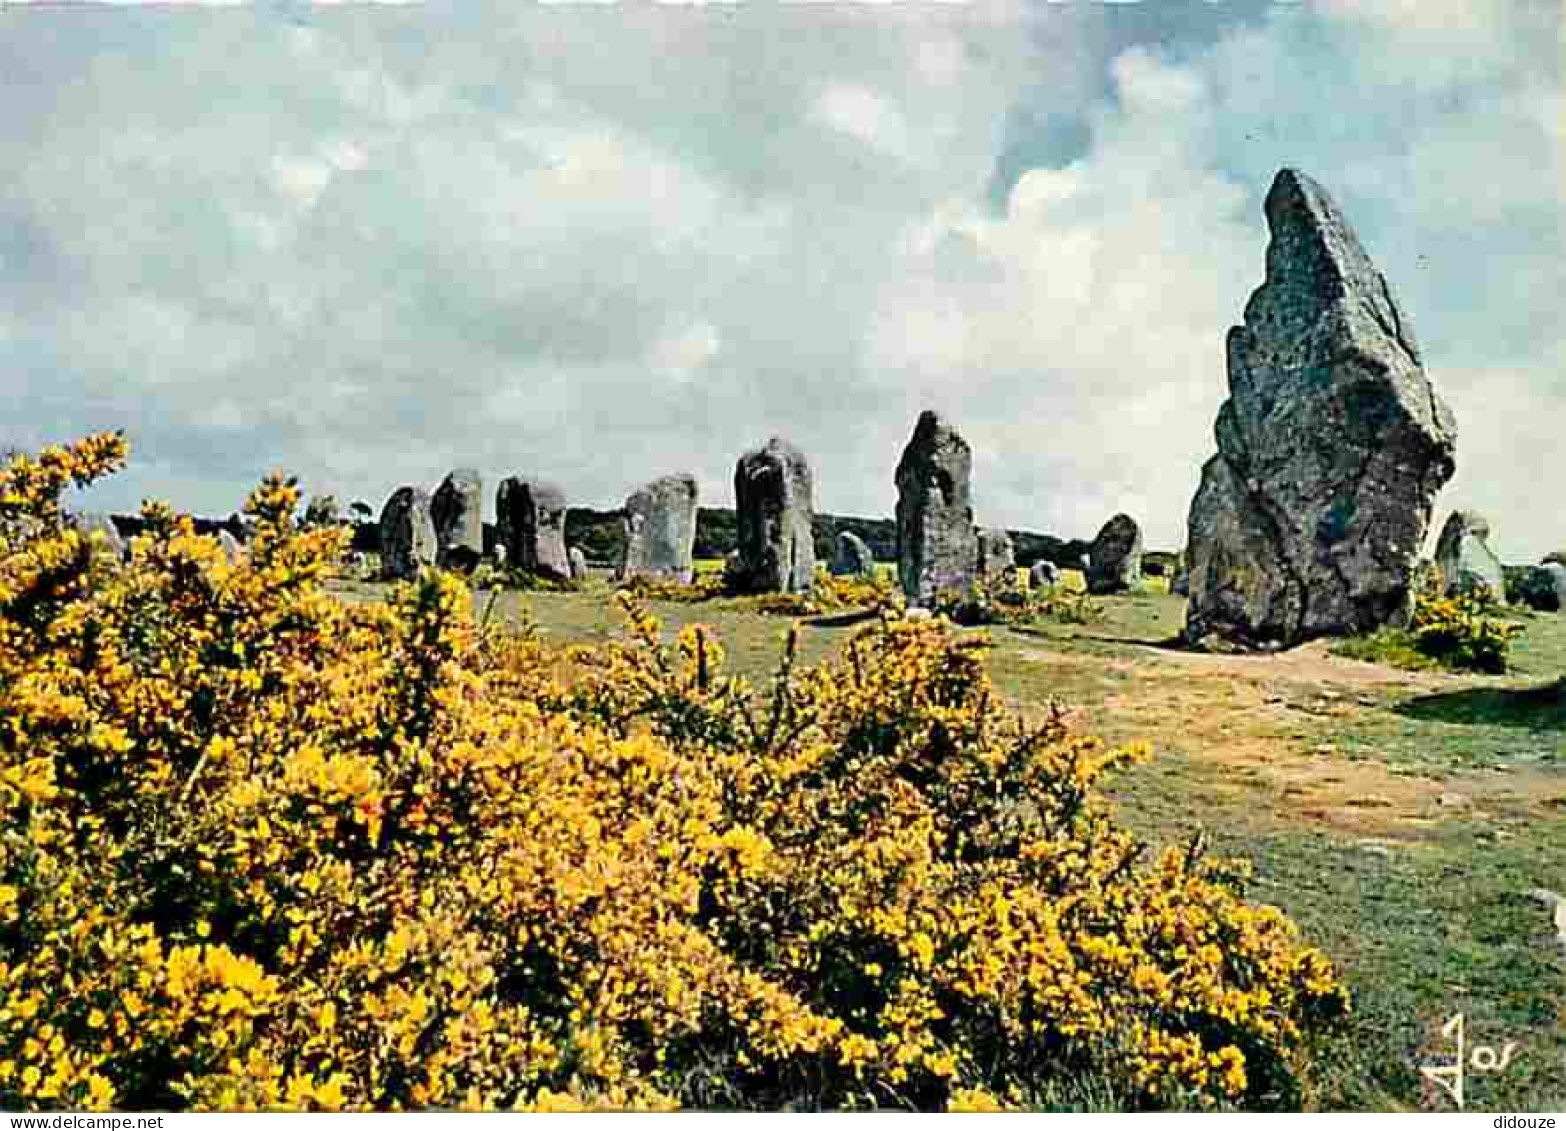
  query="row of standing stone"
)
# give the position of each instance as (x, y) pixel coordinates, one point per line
(447, 528)
(1309, 518)
(940, 548)
(774, 495)
(1308, 521)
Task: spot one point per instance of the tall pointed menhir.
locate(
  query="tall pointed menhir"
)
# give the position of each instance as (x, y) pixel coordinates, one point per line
(1331, 447)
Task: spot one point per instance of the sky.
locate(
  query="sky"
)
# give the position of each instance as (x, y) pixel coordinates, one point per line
(368, 243)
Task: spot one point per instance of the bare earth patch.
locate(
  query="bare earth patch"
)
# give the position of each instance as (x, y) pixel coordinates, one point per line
(1263, 725)
(1311, 663)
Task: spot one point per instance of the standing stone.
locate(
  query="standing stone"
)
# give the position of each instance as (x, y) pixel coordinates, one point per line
(1557, 575)
(88, 523)
(458, 513)
(578, 562)
(733, 570)
(1537, 587)
(1044, 574)
(852, 557)
(408, 542)
(232, 549)
(1465, 559)
(660, 530)
(997, 561)
(937, 547)
(1331, 447)
(530, 520)
(242, 526)
(774, 502)
(1115, 559)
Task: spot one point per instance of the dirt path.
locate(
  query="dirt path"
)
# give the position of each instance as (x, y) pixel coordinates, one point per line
(1260, 731)
(1311, 663)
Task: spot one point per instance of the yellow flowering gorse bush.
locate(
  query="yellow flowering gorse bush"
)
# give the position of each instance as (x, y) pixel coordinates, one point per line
(262, 849)
(1458, 630)
(828, 593)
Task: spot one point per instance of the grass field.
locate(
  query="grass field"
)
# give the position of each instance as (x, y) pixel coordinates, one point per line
(1400, 817)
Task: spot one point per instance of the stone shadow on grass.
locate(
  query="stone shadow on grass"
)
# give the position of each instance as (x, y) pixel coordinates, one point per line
(1163, 644)
(842, 620)
(1528, 708)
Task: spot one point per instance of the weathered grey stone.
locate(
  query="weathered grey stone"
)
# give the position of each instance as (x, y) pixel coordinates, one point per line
(1160, 563)
(852, 557)
(1541, 587)
(578, 562)
(242, 526)
(321, 512)
(90, 523)
(530, 520)
(997, 561)
(1331, 447)
(1557, 574)
(937, 547)
(1465, 559)
(1044, 574)
(233, 550)
(408, 541)
(774, 503)
(462, 558)
(1115, 559)
(458, 513)
(660, 530)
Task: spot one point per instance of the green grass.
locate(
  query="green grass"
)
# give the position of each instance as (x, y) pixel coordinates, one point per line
(1333, 784)
(1423, 929)
(1498, 723)
(1467, 730)
(1391, 646)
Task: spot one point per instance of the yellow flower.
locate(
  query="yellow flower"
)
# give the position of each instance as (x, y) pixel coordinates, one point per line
(100, 1092)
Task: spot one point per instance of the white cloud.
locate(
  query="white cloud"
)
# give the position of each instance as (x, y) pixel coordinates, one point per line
(682, 353)
(864, 115)
(300, 179)
(1439, 21)
(1147, 85)
(939, 59)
